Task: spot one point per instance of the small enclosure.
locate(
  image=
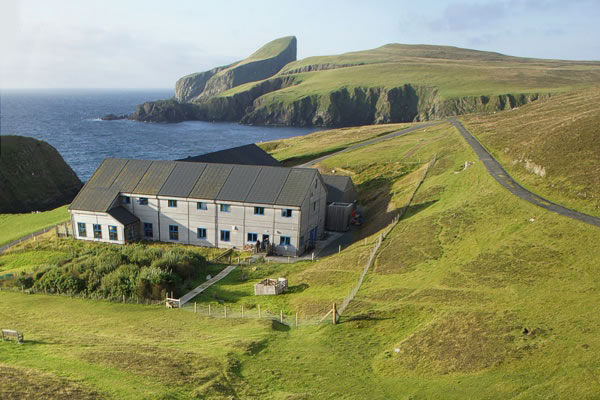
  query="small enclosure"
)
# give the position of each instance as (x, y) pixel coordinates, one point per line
(338, 216)
(270, 286)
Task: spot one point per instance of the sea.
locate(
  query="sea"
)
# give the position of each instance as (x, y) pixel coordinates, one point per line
(70, 121)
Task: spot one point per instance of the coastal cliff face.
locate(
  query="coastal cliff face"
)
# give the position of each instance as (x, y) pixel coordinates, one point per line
(263, 64)
(365, 106)
(34, 176)
(394, 83)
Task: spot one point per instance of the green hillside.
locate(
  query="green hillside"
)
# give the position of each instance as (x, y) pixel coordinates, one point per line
(475, 294)
(33, 176)
(551, 146)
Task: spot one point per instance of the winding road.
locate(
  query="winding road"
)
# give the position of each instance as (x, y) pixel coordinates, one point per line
(503, 178)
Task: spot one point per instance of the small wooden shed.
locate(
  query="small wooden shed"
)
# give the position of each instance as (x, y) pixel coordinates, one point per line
(339, 216)
(270, 286)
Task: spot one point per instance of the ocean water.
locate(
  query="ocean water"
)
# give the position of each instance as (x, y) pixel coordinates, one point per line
(70, 121)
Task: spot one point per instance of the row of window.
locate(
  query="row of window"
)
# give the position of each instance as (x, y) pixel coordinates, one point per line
(286, 212)
(97, 230)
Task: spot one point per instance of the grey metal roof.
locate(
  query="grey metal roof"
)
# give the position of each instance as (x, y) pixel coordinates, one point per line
(249, 154)
(296, 186)
(268, 185)
(182, 179)
(123, 216)
(239, 183)
(211, 181)
(339, 188)
(130, 175)
(154, 178)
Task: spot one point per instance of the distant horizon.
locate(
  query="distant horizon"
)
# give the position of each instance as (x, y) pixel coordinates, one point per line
(71, 44)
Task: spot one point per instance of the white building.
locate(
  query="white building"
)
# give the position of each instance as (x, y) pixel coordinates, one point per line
(219, 205)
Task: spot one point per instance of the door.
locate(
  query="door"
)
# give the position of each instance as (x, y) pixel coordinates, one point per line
(265, 242)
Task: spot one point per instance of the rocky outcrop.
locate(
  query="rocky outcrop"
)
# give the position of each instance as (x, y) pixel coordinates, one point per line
(165, 111)
(196, 94)
(191, 86)
(114, 117)
(263, 64)
(33, 176)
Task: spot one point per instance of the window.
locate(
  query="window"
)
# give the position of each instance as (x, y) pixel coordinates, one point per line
(125, 200)
(302, 241)
(316, 181)
(148, 230)
(172, 203)
(143, 201)
(200, 206)
(97, 231)
(285, 240)
(225, 236)
(286, 212)
(81, 229)
(130, 234)
(225, 208)
(259, 211)
(112, 232)
(252, 237)
(314, 206)
(173, 232)
(201, 233)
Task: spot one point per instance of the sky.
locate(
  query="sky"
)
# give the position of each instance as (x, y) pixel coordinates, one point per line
(150, 44)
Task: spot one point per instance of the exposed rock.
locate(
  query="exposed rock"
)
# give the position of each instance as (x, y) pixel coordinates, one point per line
(165, 111)
(113, 117)
(192, 85)
(33, 176)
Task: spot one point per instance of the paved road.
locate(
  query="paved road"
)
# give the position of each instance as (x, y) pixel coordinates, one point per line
(500, 174)
(371, 141)
(195, 292)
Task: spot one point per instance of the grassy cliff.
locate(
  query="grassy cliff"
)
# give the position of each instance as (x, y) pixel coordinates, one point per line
(33, 176)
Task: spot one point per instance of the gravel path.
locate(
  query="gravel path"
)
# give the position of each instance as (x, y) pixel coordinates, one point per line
(500, 175)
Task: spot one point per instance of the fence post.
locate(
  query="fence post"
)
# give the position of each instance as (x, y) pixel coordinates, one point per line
(259, 311)
(225, 310)
(195, 308)
(209, 309)
(334, 314)
(123, 299)
(313, 256)
(242, 311)
(281, 316)
(339, 249)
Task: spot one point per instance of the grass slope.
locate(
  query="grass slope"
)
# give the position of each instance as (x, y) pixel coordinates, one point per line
(558, 136)
(454, 72)
(15, 226)
(476, 294)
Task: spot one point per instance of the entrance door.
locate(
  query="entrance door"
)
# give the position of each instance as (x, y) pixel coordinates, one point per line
(265, 239)
(312, 236)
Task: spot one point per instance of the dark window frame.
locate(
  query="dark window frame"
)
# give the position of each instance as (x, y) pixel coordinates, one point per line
(143, 201)
(226, 208)
(252, 237)
(172, 203)
(201, 233)
(225, 236)
(174, 232)
(148, 230)
(113, 233)
(285, 240)
(97, 228)
(81, 229)
(201, 205)
(287, 212)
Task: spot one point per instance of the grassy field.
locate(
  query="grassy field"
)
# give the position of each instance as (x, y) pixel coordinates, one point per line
(551, 147)
(15, 226)
(300, 149)
(476, 294)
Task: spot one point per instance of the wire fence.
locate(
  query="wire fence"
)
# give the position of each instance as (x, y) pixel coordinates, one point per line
(382, 237)
(225, 311)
